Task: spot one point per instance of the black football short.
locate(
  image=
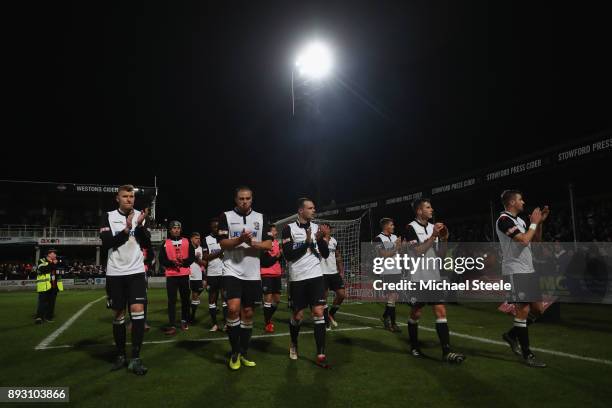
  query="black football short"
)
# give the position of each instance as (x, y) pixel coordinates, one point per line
(196, 286)
(333, 281)
(525, 288)
(248, 291)
(307, 293)
(122, 291)
(420, 298)
(214, 284)
(271, 284)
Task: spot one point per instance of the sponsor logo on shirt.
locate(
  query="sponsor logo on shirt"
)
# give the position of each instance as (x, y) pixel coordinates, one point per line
(297, 245)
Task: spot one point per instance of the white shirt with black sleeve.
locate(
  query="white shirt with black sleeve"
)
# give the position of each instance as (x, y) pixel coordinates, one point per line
(329, 265)
(211, 246)
(242, 262)
(124, 249)
(195, 267)
(417, 233)
(387, 243)
(516, 257)
(303, 260)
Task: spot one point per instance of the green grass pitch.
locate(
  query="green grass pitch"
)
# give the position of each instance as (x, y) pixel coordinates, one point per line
(371, 367)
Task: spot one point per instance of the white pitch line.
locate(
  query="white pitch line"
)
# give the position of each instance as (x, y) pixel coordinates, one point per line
(259, 336)
(460, 335)
(499, 343)
(50, 338)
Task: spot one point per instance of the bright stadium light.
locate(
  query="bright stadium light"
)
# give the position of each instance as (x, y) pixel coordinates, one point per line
(314, 61)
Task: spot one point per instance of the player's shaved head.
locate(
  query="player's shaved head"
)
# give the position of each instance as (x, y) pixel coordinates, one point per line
(508, 195)
(384, 222)
(301, 202)
(243, 197)
(416, 205)
(240, 189)
(306, 208)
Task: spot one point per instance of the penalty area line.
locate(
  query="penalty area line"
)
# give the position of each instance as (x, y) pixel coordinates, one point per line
(45, 344)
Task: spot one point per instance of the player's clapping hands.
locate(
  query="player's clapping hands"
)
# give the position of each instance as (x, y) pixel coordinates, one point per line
(536, 216)
(246, 237)
(545, 213)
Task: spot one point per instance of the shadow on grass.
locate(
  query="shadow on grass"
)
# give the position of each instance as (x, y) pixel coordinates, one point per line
(102, 352)
(297, 393)
(504, 354)
(586, 324)
(267, 345)
(213, 351)
(371, 345)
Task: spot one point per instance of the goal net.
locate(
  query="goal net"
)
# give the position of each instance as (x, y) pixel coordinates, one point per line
(347, 233)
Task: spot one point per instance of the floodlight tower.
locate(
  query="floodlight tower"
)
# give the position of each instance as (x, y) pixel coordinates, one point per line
(311, 67)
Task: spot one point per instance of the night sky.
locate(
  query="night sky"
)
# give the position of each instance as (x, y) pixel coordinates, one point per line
(199, 95)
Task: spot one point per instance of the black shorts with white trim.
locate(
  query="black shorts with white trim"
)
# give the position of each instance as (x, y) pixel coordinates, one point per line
(214, 283)
(196, 286)
(248, 291)
(525, 288)
(122, 291)
(422, 298)
(333, 281)
(307, 293)
(271, 284)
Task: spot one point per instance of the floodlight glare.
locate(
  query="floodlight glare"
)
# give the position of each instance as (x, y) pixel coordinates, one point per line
(315, 61)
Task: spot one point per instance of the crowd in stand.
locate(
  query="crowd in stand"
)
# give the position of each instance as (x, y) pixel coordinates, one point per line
(17, 271)
(75, 269)
(84, 270)
(593, 224)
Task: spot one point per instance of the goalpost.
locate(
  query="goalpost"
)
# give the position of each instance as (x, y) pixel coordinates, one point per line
(347, 233)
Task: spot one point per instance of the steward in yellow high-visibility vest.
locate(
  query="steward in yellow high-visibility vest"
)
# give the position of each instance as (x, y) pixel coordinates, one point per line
(48, 283)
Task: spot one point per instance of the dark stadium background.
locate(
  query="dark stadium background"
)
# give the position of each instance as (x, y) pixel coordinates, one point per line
(198, 95)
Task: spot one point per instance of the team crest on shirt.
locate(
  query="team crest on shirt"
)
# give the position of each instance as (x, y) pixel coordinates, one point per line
(256, 225)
